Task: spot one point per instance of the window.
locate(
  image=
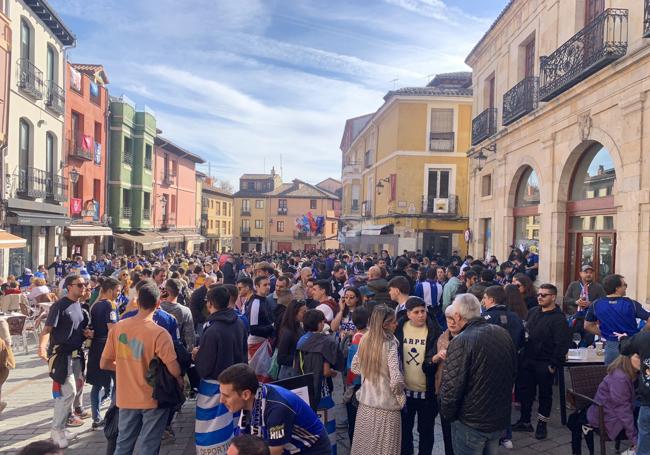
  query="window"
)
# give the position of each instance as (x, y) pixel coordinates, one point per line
(146, 205)
(218, 207)
(441, 136)
(148, 158)
(25, 144)
(97, 190)
(50, 154)
(173, 207)
(223, 228)
(166, 165)
(282, 203)
(312, 204)
(95, 92)
(259, 203)
(126, 198)
(128, 151)
(78, 187)
(527, 231)
(98, 133)
(25, 40)
(229, 229)
(595, 175)
(246, 205)
(528, 189)
(211, 224)
(332, 228)
(486, 185)
(489, 92)
(438, 183)
(174, 168)
(259, 224)
(246, 225)
(367, 158)
(356, 190)
(529, 59)
(280, 226)
(487, 237)
(592, 9)
(50, 65)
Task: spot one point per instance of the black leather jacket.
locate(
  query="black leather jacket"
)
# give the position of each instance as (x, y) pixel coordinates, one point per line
(478, 377)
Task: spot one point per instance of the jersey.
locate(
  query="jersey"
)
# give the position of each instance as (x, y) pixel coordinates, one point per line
(163, 319)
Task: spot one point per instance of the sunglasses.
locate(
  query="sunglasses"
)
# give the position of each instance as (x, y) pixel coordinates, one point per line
(543, 295)
(80, 285)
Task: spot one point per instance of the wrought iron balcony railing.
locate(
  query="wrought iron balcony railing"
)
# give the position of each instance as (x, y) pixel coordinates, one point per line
(126, 213)
(520, 100)
(30, 78)
(440, 207)
(598, 44)
(55, 98)
(355, 205)
(37, 183)
(484, 125)
(441, 142)
(301, 235)
(128, 157)
(168, 221)
(245, 212)
(282, 210)
(76, 149)
(646, 19)
(245, 231)
(168, 179)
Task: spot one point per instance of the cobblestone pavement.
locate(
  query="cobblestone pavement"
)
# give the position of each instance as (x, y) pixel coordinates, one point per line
(28, 415)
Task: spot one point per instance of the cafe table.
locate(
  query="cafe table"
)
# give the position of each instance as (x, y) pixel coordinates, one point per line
(576, 358)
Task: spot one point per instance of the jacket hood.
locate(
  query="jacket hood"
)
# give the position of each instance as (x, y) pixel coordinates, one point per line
(378, 285)
(226, 316)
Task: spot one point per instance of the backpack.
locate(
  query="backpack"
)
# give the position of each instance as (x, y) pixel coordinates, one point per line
(184, 296)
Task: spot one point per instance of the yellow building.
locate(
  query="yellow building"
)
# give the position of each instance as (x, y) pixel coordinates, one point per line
(405, 170)
(265, 213)
(217, 217)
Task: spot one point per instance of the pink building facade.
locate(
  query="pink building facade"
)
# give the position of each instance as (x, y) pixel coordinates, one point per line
(174, 195)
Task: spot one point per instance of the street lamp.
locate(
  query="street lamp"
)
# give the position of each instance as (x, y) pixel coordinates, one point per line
(74, 176)
(380, 185)
(480, 157)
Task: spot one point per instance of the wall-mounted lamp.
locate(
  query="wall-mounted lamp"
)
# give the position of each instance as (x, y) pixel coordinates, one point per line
(380, 185)
(74, 176)
(480, 157)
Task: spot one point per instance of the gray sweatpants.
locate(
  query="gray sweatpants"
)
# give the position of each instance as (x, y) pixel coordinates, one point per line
(70, 394)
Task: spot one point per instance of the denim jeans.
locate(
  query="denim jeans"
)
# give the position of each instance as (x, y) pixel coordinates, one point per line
(96, 399)
(468, 441)
(611, 351)
(71, 394)
(643, 444)
(149, 424)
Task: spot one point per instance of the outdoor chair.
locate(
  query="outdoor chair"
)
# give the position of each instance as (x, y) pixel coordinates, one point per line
(584, 384)
(12, 302)
(17, 329)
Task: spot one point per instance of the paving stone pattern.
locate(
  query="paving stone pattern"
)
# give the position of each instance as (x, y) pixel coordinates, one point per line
(29, 412)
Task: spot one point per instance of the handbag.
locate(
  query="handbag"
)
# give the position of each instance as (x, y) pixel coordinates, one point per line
(111, 422)
(274, 369)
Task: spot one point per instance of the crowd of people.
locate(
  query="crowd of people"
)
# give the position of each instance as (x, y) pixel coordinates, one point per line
(402, 337)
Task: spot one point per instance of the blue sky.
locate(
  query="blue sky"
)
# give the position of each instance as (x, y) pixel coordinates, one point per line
(242, 82)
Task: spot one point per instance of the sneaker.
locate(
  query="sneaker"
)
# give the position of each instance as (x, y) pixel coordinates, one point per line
(97, 424)
(3, 405)
(58, 438)
(506, 444)
(79, 412)
(69, 435)
(169, 434)
(74, 421)
(540, 432)
(523, 426)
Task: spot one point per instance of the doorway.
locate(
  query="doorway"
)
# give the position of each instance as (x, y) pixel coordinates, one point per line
(596, 249)
(437, 243)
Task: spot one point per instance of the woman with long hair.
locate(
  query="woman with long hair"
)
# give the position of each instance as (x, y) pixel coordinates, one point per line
(526, 289)
(289, 333)
(342, 322)
(515, 301)
(378, 426)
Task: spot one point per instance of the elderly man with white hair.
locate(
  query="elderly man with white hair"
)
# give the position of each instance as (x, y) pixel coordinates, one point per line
(477, 379)
(299, 290)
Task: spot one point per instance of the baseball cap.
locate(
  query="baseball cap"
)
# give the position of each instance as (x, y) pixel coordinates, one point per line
(586, 267)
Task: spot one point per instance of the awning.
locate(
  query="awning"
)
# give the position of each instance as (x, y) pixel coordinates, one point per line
(8, 240)
(193, 237)
(377, 229)
(172, 236)
(352, 233)
(148, 240)
(88, 230)
(25, 218)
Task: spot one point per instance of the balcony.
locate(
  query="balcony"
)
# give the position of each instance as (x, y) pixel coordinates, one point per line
(520, 100)
(355, 205)
(128, 158)
(351, 167)
(37, 183)
(646, 19)
(146, 213)
(282, 210)
(77, 149)
(441, 142)
(366, 209)
(591, 49)
(484, 125)
(245, 231)
(126, 213)
(302, 236)
(168, 179)
(168, 221)
(55, 98)
(30, 78)
(245, 212)
(440, 207)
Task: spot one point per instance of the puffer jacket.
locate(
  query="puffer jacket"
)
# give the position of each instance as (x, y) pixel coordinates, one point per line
(478, 377)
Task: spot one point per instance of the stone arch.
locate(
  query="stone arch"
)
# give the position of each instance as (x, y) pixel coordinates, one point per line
(522, 166)
(578, 149)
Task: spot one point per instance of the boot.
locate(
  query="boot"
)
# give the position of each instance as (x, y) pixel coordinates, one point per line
(540, 432)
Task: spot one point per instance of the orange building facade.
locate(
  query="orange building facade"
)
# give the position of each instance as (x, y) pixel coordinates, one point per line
(85, 155)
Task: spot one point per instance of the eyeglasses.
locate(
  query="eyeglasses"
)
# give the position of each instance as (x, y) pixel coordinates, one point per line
(543, 295)
(80, 285)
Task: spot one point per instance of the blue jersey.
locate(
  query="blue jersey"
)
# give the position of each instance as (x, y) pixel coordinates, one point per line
(163, 319)
(616, 314)
(290, 423)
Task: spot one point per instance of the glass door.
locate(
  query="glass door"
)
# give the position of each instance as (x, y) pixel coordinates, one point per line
(594, 249)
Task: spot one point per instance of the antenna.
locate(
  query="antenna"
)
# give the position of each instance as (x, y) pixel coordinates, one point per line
(394, 81)
(264, 168)
(280, 165)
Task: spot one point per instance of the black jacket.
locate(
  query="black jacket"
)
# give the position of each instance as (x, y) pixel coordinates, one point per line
(640, 344)
(197, 304)
(428, 367)
(223, 344)
(549, 336)
(228, 270)
(478, 377)
(260, 316)
(500, 315)
(287, 340)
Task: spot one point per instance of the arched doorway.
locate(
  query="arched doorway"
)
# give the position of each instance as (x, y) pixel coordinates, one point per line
(591, 214)
(526, 211)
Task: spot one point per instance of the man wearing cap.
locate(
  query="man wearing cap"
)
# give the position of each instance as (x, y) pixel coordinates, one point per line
(578, 298)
